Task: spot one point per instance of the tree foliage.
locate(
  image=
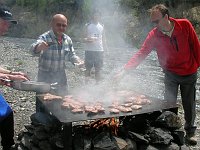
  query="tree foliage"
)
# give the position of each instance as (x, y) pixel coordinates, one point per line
(38, 5)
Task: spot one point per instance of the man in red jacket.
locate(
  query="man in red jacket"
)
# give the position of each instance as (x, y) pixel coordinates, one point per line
(178, 50)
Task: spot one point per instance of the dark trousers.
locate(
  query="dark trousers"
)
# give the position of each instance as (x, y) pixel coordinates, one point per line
(187, 86)
(94, 59)
(58, 77)
(7, 132)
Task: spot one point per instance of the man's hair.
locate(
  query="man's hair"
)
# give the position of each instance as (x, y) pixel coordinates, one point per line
(160, 7)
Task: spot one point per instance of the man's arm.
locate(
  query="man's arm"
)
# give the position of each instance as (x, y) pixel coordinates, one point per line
(194, 43)
(39, 46)
(72, 57)
(5, 71)
(13, 74)
(7, 74)
(137, 58)
(105, 46)
(140, 55)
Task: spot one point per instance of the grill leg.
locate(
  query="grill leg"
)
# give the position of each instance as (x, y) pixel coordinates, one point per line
(67, 136)
(174, 110)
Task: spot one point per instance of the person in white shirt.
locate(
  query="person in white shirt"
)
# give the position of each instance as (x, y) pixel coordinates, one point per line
(95, 44)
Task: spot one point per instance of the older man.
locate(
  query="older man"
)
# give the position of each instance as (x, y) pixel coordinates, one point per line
(54, 47)
(178, 50)
(6, 113)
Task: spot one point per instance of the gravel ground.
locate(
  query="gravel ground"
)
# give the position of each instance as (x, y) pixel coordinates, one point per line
(15, 56)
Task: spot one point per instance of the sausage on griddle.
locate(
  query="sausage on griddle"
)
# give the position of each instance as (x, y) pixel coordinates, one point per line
(114, 111)
(136, 107)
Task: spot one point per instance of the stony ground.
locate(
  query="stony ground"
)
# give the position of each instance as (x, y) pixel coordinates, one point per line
(15, 56)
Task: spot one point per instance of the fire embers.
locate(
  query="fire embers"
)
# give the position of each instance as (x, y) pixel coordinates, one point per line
(110, 124)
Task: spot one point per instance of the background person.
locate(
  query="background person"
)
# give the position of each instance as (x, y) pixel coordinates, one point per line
(54, 47)
(178, 50)
(95, 43)
(6, 113)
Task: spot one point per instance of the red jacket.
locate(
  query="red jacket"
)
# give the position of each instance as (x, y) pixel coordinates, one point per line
(179, 54)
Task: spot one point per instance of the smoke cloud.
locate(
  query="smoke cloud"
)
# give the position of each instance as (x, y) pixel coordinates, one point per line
(146, 79)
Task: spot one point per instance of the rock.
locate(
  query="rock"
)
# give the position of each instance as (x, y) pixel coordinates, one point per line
(131, 144)
(45, 145)
(40, 133)
(122, 144)
(26, 141)
(46, 120)
(138, 138)
(169, 120)
(103, 142)
(159, 136)
(178, 136)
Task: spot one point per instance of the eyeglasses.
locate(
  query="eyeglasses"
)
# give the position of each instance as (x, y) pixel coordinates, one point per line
(156, 21)
(61, 25)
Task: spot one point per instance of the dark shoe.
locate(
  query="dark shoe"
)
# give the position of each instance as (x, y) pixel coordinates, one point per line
(191, 139)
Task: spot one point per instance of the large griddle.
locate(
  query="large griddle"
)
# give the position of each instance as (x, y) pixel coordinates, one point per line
(65, 115)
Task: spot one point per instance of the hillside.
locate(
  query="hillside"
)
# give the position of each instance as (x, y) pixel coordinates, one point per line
(128, 17)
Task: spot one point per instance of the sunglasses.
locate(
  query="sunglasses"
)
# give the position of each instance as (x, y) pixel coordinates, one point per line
(61, 25)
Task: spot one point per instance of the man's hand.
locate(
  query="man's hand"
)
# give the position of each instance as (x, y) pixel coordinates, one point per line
(91, 39)
(18, 78)
(6, 79)
(119, 75)
(42, 47)
(80, 63)
(20, 73)
(3, 76)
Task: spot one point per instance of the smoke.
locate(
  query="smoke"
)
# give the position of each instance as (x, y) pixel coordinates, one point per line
(146, 79)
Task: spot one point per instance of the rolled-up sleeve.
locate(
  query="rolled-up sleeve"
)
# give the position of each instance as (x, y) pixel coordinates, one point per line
(72, 57)
(34, 45)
